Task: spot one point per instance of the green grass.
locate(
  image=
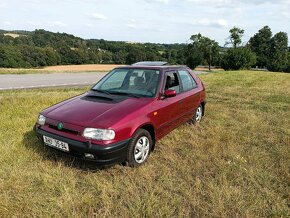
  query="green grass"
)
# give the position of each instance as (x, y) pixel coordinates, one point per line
(234, 164)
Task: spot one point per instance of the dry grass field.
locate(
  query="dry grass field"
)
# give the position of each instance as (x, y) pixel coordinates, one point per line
(233, 164)
(82, 68)
(73, 69)
(206, 69)
(61, 69)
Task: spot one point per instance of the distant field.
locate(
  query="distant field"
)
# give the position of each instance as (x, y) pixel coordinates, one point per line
(233, 164)
(61, 68)
(206, 69)
(73, 68)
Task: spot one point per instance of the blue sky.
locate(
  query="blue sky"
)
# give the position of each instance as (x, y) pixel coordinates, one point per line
(165, 21)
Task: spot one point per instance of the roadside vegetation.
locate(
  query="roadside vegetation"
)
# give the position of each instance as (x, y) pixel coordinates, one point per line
(235, 163)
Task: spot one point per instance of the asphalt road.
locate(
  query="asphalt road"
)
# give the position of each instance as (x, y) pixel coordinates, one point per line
(27, 81)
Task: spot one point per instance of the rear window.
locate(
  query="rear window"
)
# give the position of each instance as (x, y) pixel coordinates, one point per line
(187, 81)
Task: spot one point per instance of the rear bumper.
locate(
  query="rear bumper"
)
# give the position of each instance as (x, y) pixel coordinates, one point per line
(105, 155)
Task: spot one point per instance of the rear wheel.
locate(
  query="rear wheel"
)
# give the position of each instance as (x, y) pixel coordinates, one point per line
(198, 115)
(139, 148)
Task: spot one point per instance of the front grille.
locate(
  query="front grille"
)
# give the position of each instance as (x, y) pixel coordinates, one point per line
(74, 132)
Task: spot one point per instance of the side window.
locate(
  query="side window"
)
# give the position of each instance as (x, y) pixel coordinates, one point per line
(172, 82)
(187, 81)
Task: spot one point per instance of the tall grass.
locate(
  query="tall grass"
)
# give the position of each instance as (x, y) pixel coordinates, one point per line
(233, 164)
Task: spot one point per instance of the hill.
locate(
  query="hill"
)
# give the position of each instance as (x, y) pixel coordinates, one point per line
(43, 48)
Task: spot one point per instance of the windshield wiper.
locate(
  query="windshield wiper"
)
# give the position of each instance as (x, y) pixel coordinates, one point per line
(126, 94)
(101, 91)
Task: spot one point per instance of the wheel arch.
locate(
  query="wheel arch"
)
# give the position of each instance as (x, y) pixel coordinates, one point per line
(203, 107)
(150, 128)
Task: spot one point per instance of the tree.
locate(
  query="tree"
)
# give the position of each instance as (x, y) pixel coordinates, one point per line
(202, 49)
(260, 44)
(119, 57)
(35, 56)
(106, 57)
(52, 57)
(238, 58)
(288, 64)
(10, 56)
(135, 55)
(194, 58)
(278, 54)
(235, 38)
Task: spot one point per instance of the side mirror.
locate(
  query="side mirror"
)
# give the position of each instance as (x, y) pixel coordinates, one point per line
(169, 93)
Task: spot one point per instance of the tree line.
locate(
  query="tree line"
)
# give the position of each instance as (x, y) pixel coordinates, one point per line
(263, 50)
(43, 48)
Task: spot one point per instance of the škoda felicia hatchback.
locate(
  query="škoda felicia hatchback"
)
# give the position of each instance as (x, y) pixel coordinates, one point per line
(120, 118)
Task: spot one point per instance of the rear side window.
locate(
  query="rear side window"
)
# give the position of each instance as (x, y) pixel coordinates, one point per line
(187, 81)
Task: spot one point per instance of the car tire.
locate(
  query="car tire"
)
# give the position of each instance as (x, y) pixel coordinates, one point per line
(139, 148)
(197, 117)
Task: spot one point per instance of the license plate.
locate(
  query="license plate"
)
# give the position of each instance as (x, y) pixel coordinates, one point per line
(56, 143)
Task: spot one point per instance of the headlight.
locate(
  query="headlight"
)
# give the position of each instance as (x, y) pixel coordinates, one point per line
(99, 134)
(41, 119)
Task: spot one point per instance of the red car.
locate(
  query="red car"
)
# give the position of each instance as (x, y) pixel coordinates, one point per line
(124, 114)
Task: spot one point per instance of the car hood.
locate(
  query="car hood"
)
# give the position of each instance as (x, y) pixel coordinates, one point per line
(97, 112)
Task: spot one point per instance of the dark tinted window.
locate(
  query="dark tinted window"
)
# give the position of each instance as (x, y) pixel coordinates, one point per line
(187, 81)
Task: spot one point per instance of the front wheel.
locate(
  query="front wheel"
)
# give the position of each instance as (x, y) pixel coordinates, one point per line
(139, 148)
(198, 115)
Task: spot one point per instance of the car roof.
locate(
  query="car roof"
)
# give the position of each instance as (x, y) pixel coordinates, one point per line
(153, 65)
(150, 63)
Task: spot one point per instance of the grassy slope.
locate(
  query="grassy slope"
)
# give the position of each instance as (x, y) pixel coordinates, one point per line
(234, 164)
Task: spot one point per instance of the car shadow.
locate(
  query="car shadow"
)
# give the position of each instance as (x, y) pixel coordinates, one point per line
(31, 141)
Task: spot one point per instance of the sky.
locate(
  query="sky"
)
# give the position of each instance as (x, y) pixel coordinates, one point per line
(158, 21)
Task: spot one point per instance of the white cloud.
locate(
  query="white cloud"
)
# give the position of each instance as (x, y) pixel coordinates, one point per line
(2, 5)
(286, 14)
(89, 25)
(7, 23)
(212, 2)
(286, 2)
(58, 24)
(98, 16)
(33, 23)
(234, 3)
(210, 23)
(158, 1)
(132, 24)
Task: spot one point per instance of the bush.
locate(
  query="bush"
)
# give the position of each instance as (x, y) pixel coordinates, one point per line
(193, 60)
(238, 58)
(288, 64)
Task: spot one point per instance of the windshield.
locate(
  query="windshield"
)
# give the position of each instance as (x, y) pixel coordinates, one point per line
(138, 82)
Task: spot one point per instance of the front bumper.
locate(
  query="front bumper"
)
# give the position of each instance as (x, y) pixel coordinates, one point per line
(105, 155)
